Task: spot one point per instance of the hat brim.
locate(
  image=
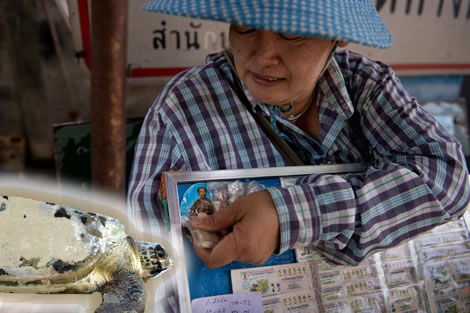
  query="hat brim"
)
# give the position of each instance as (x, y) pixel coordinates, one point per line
(354, 21)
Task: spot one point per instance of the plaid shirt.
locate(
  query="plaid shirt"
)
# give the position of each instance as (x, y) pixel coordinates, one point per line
(417, 178)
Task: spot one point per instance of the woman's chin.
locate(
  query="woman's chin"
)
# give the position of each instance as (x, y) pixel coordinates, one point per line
(267, 98)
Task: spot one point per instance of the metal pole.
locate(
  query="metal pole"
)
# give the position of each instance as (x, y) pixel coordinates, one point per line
(108, 77)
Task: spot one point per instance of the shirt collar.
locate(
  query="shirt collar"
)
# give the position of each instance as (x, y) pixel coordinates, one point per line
(332, 87)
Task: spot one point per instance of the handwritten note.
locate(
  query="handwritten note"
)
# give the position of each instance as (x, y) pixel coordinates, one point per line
(244, 302)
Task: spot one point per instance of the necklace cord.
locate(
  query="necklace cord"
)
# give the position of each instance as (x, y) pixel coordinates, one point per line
(294, 118)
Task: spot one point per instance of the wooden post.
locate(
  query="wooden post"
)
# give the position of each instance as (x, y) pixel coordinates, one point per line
(108, 77)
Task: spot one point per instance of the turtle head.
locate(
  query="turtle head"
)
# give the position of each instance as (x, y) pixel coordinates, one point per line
(153, 258)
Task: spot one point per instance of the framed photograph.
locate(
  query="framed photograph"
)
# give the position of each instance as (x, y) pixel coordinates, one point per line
(198, 193)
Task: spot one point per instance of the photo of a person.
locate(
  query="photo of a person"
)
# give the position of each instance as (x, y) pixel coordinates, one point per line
(202, 206)
(196, 203)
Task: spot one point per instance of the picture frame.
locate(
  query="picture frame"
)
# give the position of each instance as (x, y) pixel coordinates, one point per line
(191, 275)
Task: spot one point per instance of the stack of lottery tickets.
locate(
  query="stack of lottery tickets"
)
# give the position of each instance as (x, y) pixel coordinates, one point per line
(285, 288)
(344, 288)
(428, 274)
(444, 262)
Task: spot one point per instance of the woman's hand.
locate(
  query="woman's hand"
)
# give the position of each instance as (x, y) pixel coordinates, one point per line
(253, 231)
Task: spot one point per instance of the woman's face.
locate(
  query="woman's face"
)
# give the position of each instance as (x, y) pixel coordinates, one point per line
(278, 68)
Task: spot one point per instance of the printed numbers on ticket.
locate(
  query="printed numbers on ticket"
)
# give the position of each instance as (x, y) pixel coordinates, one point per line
(274, 280)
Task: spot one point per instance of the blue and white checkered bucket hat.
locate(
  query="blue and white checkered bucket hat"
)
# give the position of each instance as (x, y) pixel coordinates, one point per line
(355, 21)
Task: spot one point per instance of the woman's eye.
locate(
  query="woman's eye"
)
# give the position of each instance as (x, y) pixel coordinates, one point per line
(244, 30)
(289, 36)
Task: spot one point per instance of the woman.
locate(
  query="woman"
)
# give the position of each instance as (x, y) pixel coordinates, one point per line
(284, 54)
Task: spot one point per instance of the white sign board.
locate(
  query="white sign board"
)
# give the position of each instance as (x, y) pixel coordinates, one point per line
(158, 44)
(161, 43)
(429, 36)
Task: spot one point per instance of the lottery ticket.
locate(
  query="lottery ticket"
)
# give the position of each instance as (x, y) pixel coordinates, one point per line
(441, 252)
(460, 269)
(347, 274)
(447, 304)
(333, 293)
(438, 277)
(459, 249)
(325, 265)
(399, 273)
(349, 289)
(311, 253)
(407, 299)
(440, 239)
(433, 254)
(449, 226)
(400, 252)
(368, 304)
(405, 277)
(373, 303)
(455, 236)
(440, 281)
(464, 297)
(453, 302)
(307, 254)
(427, 241)
(302, 301)
(341, 306)
(275, 280)
(362, 287)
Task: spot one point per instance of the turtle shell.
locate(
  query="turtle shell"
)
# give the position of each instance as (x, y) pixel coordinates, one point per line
(46, 244)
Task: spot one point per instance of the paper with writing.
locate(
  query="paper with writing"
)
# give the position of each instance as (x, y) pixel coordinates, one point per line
(244, 302)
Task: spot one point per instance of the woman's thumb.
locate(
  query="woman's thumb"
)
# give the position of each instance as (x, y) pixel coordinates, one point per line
(218, 221)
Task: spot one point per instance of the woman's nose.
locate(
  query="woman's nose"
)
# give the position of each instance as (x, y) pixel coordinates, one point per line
(267, 48)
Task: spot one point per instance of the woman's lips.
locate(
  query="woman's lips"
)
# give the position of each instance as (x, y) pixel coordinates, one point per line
(266, 80)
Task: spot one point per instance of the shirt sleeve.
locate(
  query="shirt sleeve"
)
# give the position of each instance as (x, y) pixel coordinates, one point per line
(155, 152)
(416, 181)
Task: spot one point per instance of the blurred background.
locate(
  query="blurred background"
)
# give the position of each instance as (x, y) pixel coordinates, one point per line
(55, 58)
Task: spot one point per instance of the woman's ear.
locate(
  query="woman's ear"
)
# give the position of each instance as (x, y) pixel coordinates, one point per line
(343, 44)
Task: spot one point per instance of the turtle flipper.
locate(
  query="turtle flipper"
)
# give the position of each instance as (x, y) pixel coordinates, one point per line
(125, 294)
